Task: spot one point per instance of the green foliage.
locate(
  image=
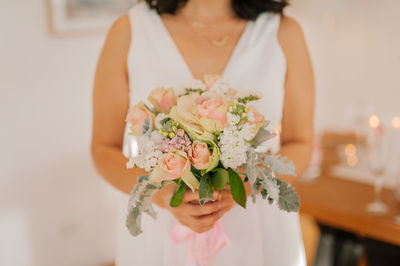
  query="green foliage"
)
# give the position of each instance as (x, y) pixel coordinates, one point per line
(177, 198)
(205, 189)
(288, 199)
(248, 99)
(169, 127)
(237, 188)
(280, 165)
(139, 202)
(264, 180)
(147, 126)
(262, 136)
(219, 178)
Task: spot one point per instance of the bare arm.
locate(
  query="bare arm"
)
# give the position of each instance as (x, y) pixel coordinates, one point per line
(110, 105)
(298, 110)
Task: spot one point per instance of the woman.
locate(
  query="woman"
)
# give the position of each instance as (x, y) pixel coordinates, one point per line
(169, 42)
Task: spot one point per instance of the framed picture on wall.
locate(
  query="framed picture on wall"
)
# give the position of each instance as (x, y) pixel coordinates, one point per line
(80, 17)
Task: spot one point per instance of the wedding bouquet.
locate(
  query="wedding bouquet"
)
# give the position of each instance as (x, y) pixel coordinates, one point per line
(200, 135)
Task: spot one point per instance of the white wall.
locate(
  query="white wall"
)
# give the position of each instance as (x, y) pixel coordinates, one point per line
(54, 209)
(53, 206)
(355, 50)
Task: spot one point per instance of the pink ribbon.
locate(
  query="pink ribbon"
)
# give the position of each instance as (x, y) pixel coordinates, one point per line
(202, 246)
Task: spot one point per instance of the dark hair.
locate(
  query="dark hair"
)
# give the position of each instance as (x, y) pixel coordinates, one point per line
(246, 9)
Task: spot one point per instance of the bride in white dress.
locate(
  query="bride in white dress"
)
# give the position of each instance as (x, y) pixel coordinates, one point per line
(170, 42)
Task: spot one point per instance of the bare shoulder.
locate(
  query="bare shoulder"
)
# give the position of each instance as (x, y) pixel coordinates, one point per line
(119, 36)
(291, 38)
(289, 30)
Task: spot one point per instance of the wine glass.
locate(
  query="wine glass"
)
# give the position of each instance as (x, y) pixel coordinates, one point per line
(377, 155)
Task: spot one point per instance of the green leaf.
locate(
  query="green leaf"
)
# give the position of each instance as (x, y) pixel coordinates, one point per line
(288, 199)
(219, 178)
(177, 198)
(237, 188)
(214, 159)
(142, 178)
(264, 193)
(147, 127)
(205, 189)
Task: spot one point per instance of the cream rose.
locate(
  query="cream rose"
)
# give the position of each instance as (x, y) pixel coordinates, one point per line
(211, 109)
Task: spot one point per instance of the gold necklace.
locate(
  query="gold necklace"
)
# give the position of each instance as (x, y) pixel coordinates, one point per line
(195, 26)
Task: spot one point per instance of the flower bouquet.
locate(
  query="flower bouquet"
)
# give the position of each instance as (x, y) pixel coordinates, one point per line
(199, 136)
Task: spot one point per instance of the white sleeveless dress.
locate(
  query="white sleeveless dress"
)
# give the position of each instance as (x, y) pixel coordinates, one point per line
(259, 235)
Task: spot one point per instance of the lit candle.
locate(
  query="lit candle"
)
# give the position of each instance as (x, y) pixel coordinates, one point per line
(396, 145)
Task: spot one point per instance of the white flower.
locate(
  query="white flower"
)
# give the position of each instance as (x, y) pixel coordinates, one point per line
(247, 131)
(250, 117)
(149, 150)
(232, 118)
(158, 120)
(221, 86)
(233, 148)
(193, 85)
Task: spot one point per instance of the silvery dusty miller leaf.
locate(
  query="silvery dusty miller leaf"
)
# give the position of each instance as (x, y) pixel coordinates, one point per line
(139, 202)
(288, 199)
(280, 165)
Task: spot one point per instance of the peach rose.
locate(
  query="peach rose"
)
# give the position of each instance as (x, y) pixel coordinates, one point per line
(162, 99)
(137, 116)
(173, 165)
(256, 118)
(200, 156)
(212, 109)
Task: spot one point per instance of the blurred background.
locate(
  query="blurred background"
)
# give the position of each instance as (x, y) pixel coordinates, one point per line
(56, 210)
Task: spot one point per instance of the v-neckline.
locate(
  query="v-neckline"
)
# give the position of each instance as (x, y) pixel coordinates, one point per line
(182, 60)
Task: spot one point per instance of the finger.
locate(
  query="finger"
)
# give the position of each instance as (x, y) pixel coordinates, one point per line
(198, 210)
(209, 219)
(194, 196)
(190, 196)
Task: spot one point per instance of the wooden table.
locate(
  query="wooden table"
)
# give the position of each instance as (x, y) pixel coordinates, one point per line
(341, 204)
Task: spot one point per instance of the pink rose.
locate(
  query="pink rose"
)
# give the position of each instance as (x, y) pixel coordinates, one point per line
(137, 116)
(200, 156)
(210, 80)
(212, 109)
(173, 165)
(162, 99)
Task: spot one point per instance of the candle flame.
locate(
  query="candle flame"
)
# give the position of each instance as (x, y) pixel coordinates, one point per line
(374, 121)
(396, 122)
(350, 150)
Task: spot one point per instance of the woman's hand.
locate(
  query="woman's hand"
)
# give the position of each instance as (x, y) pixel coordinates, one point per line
(190, 213)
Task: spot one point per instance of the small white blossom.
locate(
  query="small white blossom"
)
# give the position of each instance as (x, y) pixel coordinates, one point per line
(247, 131)
(221, 86)
(233, 148)
(250, 117)
(193, 85)
(232, 119)
(149, 150)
